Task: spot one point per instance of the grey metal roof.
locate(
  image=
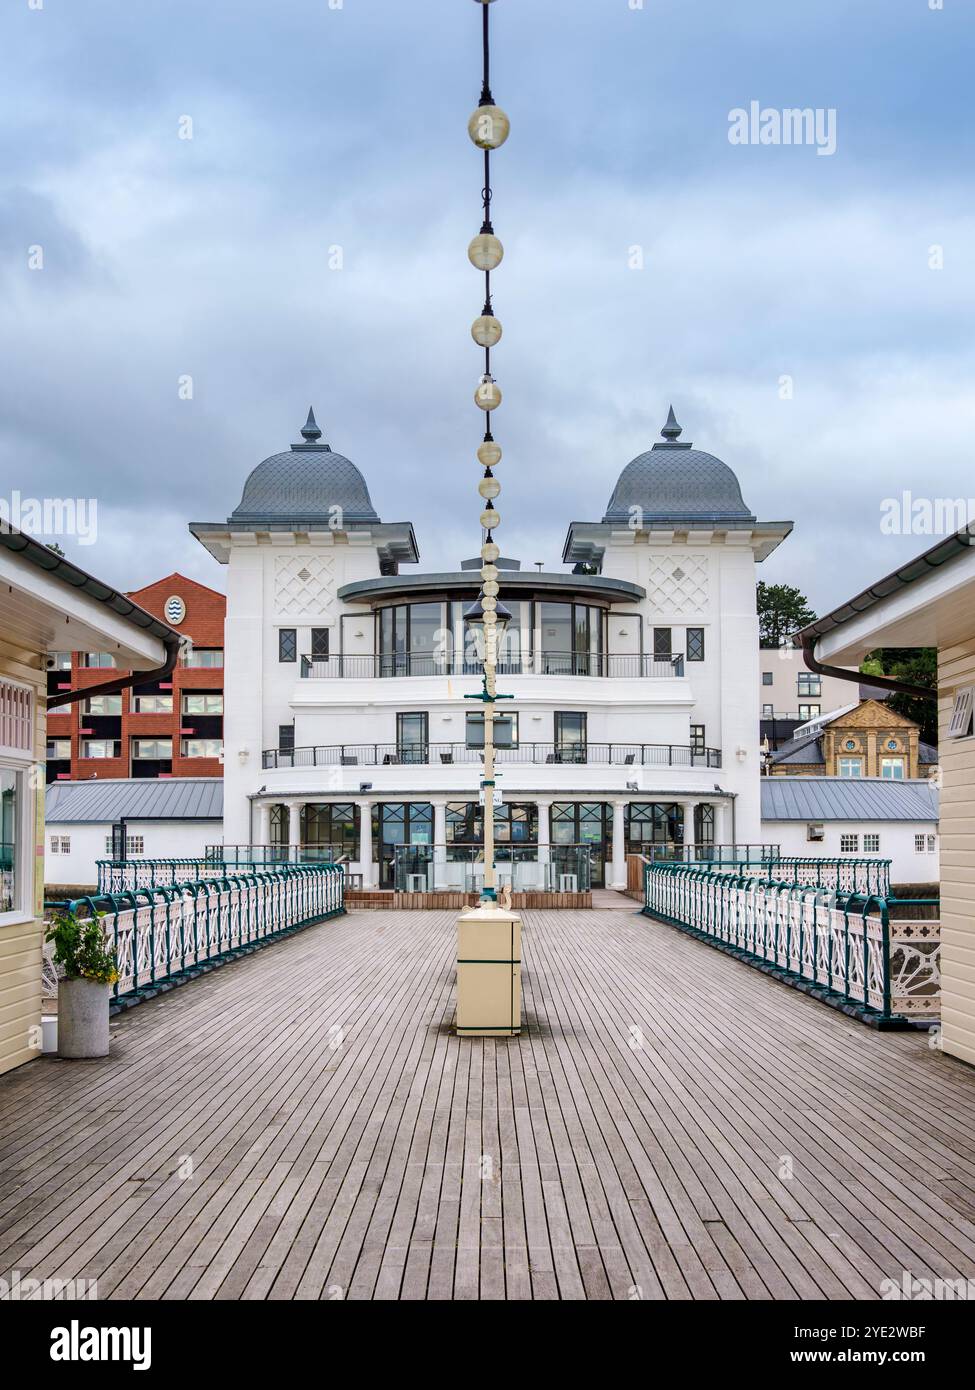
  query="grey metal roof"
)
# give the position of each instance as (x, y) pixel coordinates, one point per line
(801, 750)
(512, 582)
(140, 798)
(676, 482)
(306, 484)
(848, 799)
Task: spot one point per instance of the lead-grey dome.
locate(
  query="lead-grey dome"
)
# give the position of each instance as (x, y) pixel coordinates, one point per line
(675, 482)
(306, 484)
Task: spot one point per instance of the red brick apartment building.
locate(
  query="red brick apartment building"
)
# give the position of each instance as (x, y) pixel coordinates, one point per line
(170, 728)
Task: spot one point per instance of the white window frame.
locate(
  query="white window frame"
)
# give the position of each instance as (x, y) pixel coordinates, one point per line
(19, 760)
(138, 739)
(102, 713)
(854, 846)
(134, 844)
(960, 725)
(203, 695)
(850, 758)
(874, 846)
(157, 695)
(100, 757)
(184, 744)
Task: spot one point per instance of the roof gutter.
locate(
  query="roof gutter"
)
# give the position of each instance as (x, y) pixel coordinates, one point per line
(120, 683)
(48, 560)
(806, 640)
(948, 549)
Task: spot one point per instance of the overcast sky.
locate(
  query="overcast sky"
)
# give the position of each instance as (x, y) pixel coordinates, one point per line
(316, 127)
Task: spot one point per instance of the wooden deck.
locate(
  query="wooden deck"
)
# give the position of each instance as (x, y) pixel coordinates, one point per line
(303, 1124)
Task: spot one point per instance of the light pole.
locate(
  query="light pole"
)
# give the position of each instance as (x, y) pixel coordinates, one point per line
(489, 935)
(479, 615)
(488, 127)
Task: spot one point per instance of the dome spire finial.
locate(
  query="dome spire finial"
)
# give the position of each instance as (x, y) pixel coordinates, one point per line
(310, 432)
(671, 431)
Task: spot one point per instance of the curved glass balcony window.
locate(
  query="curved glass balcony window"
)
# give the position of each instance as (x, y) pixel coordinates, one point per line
(572, 639)
(413, 639)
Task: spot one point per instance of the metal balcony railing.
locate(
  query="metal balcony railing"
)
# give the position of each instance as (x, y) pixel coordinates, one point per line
(434, 754)
(377, 666)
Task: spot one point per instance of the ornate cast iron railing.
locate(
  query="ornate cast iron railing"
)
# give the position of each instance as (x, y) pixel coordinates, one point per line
(842, 947)
(121, 875)
(839, 875)
(169, 933)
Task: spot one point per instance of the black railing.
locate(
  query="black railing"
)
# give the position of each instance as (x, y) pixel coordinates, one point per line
(382, 666)
(432, 754)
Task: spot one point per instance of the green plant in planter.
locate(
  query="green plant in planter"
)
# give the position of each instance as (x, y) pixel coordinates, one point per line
(82, 949)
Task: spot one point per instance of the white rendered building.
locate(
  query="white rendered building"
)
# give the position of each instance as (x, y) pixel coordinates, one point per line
(633, 672)
(164, 818)
(856, 818)
(792, 694)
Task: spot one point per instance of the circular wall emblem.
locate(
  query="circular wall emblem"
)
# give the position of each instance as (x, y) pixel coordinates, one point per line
(851, 743)
(175, 610)
(892, 744)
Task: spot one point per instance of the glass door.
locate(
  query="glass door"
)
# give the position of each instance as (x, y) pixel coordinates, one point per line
(412, 737)
(401, 823)
(585, 823)
(570, 737)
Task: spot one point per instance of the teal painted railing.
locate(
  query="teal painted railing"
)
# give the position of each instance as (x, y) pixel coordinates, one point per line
(837, 946)
(167, 933)
(121, 875)
(839, 875)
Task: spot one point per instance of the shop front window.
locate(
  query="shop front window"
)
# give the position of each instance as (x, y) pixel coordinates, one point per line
(330, 830)
(651, 823)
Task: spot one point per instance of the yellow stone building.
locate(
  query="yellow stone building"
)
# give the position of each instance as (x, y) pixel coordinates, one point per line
(864, 740)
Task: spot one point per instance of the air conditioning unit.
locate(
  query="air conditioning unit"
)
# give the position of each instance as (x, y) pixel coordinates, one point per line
(815, 832)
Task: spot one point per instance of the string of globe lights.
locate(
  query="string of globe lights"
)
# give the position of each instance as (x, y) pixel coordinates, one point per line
(488, 128)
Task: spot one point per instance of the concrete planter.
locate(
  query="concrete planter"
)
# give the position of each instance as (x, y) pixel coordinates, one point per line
(83, 1018)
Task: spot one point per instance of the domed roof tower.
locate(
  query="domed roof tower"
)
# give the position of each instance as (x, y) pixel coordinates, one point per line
(677, 489)
(676, 482)
(306, 484)
(308, 489)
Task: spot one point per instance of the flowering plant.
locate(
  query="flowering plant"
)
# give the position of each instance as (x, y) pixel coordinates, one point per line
(82, 948)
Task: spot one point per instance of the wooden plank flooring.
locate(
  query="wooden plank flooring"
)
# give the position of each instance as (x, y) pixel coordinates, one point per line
(303, 1124)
